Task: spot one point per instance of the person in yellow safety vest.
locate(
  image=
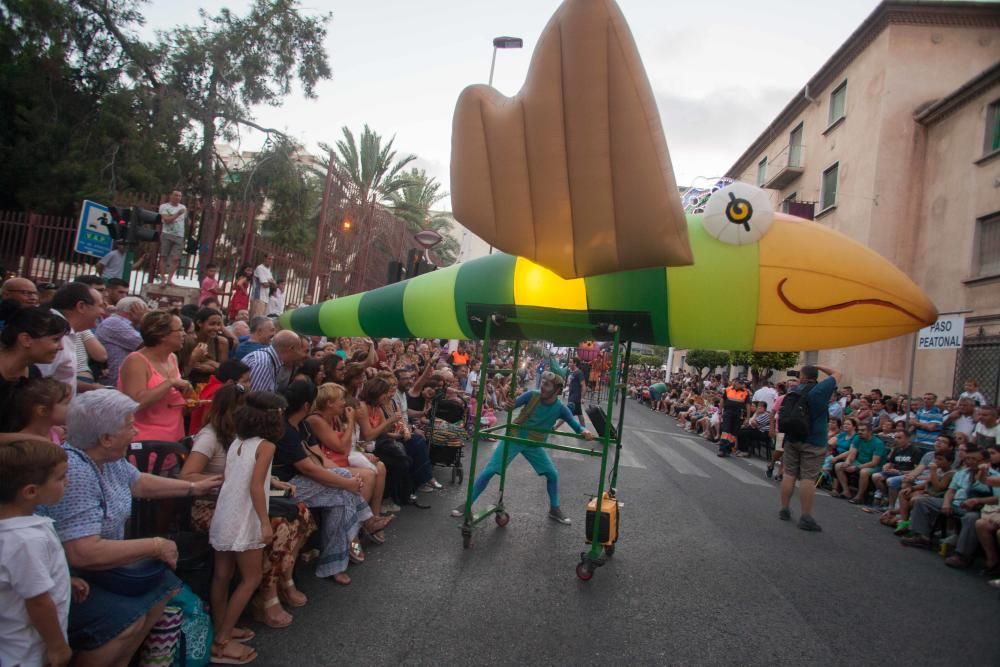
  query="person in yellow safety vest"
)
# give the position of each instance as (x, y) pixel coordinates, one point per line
(734, 402)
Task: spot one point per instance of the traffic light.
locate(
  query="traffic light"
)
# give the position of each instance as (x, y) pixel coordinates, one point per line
(139, 224)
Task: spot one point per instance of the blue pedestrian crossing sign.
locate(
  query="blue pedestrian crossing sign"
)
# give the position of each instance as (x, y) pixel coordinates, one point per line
(92, 236)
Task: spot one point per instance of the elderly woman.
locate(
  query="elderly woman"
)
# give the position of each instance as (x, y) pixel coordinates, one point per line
(152, 379)
(108, 627)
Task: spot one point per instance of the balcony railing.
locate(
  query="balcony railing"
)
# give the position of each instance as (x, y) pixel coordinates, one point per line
(785, 167)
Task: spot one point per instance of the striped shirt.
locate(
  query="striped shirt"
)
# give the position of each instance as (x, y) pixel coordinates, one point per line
(925, 416)
(264, 365)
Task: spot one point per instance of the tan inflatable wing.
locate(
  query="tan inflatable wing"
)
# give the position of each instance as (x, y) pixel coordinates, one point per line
(572, 172)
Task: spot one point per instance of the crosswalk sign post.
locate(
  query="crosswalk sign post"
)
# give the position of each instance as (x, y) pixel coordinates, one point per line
(92, 237)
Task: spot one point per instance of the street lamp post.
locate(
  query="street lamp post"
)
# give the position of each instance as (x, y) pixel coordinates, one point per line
(502, 42)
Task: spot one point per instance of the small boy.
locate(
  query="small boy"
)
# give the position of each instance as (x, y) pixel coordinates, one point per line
(34, 577)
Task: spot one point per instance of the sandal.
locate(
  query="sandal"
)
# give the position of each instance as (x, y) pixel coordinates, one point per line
(836, 494)
(376, 536)
(242, 635)
(259, 614)
(292, 596)
(223, 656)
(356, 553)
(342, 579)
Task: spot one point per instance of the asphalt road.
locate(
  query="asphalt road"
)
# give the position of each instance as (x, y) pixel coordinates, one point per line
(703, 574)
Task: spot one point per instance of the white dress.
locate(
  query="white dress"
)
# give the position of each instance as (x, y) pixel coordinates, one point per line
(235, 525)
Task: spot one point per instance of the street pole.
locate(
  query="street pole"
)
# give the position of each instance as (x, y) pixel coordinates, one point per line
(321, 229)
(502, 43)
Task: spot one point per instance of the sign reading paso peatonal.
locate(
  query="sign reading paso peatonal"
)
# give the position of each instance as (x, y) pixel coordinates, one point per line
(945, 334)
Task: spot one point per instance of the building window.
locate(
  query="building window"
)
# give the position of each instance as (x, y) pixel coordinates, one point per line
(838, 103)
(992, 141)
(762, 172)
(795, 147)
(987, 251)
(828, 189)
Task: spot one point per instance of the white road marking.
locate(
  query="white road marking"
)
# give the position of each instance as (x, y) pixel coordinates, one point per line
(730, 466)
(673, 458)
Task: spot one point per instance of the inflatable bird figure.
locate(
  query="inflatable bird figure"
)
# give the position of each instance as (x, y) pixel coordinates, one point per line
(572, 180)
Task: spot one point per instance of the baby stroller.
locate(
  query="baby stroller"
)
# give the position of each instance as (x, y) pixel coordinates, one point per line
(446, 434)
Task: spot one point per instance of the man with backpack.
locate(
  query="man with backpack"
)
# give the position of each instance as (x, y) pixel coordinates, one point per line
(803, 420)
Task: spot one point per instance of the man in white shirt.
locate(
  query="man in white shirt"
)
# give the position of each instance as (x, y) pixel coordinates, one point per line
(260, 292)
(766, 393)
(80, 305)
(173, 215)
(276, 302)
(112, 264)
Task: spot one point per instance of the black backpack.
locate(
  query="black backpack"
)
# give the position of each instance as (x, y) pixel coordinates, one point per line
(794, 419)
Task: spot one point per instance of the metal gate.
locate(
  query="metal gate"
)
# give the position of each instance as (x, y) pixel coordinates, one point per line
(979, 360)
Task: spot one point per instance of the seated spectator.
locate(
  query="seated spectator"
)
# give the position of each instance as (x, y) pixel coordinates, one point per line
(965, 497)
(335, 490)
(755, 430)
(20, 290)
(933, 481)
(902, 458)
(151, 377)
(262, 330)
(334, 369)
(987, 431)
(927, 421)
(988, 526)
(310, 369)
(30, 336)
(229, 372)
(962, 419)
(210, 347)
(39, 408)
(864, 458)
(120, 336)
(108, 627)
(880, 415)
(329, 432)
(354, 379)
(81, 306)
(266, 364)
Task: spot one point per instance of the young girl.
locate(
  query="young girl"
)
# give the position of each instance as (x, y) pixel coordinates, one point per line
(240, 526)
(40, 408)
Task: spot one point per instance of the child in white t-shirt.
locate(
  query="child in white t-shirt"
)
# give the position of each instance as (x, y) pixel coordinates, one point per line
(34, 577)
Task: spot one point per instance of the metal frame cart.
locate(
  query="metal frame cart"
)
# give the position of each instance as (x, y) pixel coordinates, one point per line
(601, 446)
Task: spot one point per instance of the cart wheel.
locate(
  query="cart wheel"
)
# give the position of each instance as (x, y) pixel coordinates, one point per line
(454, 475)
(609, 550)
(502, 518)
(467, 541)
(461, 474)
(584, 571)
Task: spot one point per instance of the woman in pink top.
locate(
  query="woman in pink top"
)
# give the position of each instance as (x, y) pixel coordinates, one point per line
(151, 378)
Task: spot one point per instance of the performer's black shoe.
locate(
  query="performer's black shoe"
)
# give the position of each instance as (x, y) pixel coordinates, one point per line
(556, 514)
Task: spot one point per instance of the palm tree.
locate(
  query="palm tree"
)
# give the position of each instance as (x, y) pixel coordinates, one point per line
(414, 203)
(372, 168)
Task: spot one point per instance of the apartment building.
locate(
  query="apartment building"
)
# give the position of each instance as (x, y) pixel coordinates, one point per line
(895, 142)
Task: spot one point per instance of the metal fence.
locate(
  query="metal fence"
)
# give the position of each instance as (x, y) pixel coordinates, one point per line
(979, 360)
(356, 243)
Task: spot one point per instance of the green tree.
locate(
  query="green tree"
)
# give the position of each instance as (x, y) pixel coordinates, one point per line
(291, 189)
(763, 364)
(75, 125)
(705, 361)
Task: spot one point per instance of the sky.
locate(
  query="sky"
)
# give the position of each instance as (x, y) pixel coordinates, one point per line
(720, 71)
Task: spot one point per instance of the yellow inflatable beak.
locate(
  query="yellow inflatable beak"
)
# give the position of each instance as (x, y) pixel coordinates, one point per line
(821, 289)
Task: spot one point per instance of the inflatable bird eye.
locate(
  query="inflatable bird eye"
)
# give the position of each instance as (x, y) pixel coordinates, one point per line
(738, 214)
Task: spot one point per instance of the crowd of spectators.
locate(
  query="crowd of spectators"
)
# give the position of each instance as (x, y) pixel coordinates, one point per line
(927, 466)
(282, 436)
